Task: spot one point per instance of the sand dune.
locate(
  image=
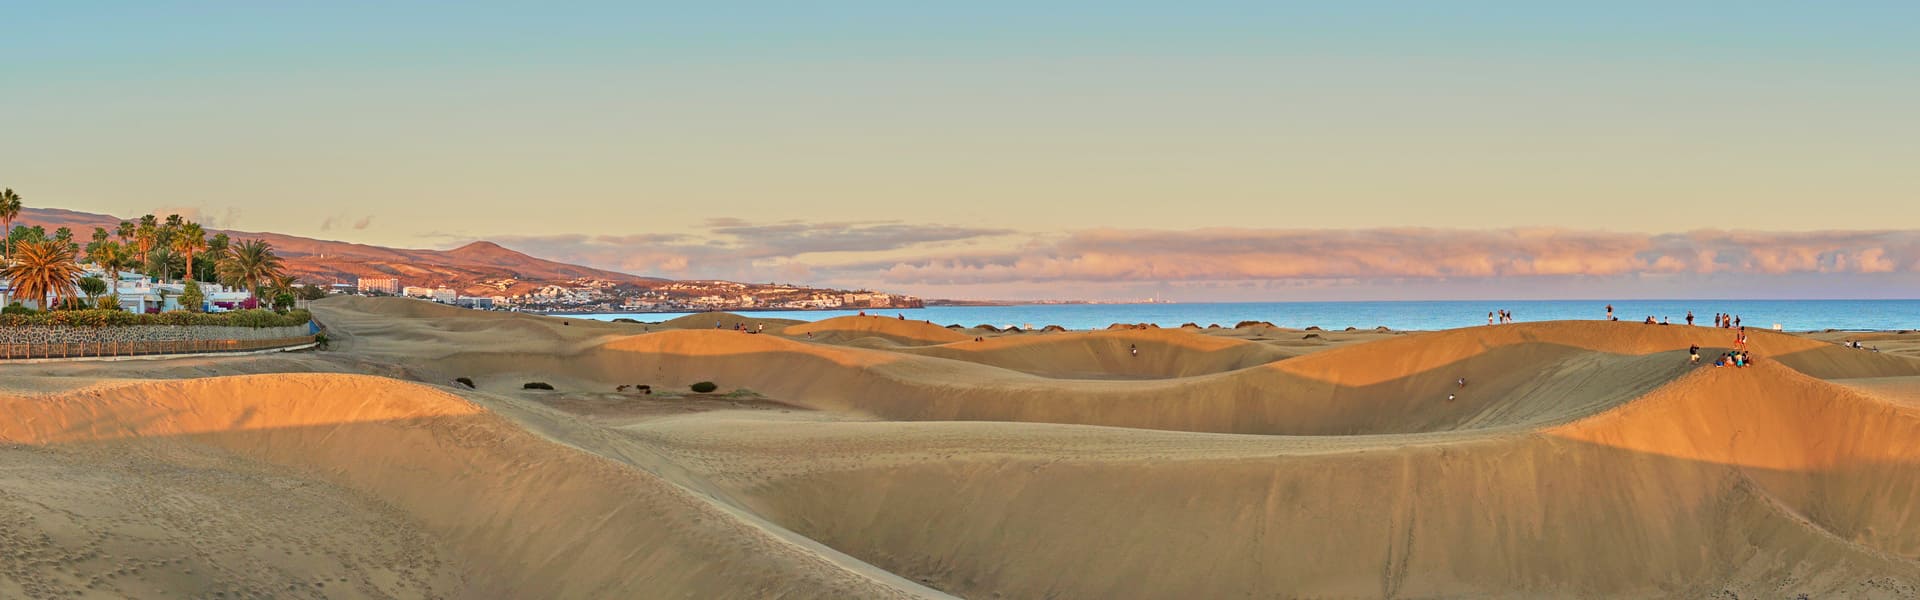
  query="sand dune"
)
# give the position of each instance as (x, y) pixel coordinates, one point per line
(1581, 459)
(1162, 353)
(725, 320)
(898, 331)
(504, 513)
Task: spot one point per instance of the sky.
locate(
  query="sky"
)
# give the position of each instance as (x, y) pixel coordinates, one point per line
(1189, 151)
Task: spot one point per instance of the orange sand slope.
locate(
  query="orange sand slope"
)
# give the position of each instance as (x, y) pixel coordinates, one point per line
(499, 511)
(1581, 459)
(894, 330)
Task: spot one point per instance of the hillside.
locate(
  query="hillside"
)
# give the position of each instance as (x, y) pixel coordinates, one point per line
(480, 268)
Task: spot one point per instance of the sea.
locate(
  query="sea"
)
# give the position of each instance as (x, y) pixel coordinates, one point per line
(1789, 315)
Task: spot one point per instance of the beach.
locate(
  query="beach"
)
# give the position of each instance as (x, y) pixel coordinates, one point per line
(885, 457)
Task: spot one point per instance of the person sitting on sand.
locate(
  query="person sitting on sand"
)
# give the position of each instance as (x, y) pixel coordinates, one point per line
(1693, 354)
(1134, 350)
(1663, 321)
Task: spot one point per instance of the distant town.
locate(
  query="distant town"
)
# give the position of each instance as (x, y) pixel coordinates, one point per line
(590, 295)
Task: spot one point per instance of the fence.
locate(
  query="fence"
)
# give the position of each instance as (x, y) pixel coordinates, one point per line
(143, 348)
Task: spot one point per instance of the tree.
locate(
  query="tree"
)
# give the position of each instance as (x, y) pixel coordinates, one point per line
(146, 235)
(187, 240)
(43, 270)
(125, 232)
(191, 299)
(93, 287)
(162, 263)
(112, 257)
(248, 264)
(9, 210)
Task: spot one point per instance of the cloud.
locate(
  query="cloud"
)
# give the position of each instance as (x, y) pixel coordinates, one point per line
(1106, 255)
(212, 218)
(740, 249)
(331, 222)
(1244, 263)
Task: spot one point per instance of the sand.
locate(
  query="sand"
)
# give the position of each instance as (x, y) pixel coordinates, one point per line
(888, 458)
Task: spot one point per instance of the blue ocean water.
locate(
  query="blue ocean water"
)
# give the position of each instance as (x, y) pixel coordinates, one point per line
(1791, 315)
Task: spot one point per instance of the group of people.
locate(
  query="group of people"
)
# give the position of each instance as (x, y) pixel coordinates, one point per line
(1726, 321)
(742, 327)
(1649, 320)
(1505, 316)
(1735, 358)
(1855, 344)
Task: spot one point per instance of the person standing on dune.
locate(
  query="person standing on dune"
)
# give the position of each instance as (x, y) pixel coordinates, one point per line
(1609, 312)
(1689, 318)
(1134, 350)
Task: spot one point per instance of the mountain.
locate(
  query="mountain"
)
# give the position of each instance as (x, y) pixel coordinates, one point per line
(478, 268)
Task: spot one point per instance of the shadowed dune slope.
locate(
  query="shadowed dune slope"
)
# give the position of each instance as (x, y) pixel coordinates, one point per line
(1762, 482)
(1163, 353)
(846, 329)
(518, 515)
(1518, 376)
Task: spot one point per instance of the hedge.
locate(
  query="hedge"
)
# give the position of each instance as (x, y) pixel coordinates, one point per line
(109, 317)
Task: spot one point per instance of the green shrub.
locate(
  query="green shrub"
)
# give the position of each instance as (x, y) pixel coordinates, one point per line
(282, 302)
(92, 286)
(704, 387)
(17, 309)
(114, 317)
(537, 385)
(191, 299)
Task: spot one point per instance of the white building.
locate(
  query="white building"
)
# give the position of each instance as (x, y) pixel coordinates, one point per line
(445, 296)
(384, 285)
(415, 291)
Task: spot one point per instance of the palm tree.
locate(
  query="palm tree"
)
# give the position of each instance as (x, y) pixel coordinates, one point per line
(125, 232)
(187, 240)
(9, 209)
(162, 262)
(112, 257)
(147, 234)
(42, 270)
(248, 264)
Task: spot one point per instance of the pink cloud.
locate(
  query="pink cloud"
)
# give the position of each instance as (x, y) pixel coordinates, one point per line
(1268, 254)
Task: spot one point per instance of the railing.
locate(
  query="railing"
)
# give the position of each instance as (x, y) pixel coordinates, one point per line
(143, 348)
